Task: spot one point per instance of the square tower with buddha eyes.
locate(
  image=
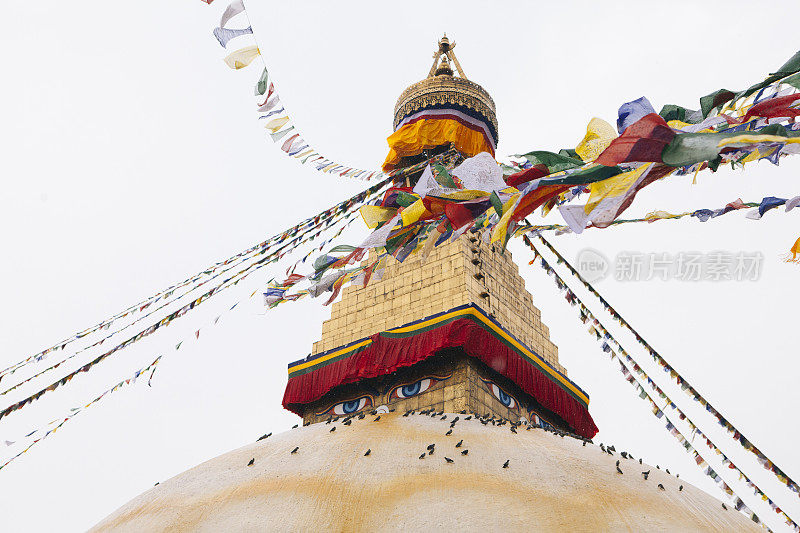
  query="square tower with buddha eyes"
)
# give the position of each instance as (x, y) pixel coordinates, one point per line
(455, 332)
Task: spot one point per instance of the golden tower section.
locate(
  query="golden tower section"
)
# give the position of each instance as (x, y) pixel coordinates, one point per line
(458, 273)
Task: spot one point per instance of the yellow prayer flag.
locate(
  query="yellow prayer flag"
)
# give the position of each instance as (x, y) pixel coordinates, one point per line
(462, 194)
(755, 155)
(242, 57)
(678, 124)
(413, 212)
(657, 215)
(599, 135)
(375, 214)
(500, 229)
(613, 186)
(275, 124)
(307, 152)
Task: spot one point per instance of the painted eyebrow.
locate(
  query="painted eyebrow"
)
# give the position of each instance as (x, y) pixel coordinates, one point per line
(438, 378)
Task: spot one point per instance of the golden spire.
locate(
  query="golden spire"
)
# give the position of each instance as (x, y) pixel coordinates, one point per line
(442, 88)
(442, 58)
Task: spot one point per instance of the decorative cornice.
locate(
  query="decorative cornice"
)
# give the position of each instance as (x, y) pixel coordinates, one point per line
(442, 90)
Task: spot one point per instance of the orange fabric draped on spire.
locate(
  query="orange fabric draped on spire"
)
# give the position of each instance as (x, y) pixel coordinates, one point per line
(412, 139)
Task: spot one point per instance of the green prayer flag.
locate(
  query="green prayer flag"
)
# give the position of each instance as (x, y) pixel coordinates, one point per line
(496, 203)
(405, 199)
(676, 112)
(342, 248)
(717, 98)
(792, 66)
(442, 176)
(322, 263)
(395, 243)
(553, 162)
(591, 175)
(714, 163)
(261, 86)
(508, 170)
(793, 80)
(690, 148)
(279, 135)
(308, 157)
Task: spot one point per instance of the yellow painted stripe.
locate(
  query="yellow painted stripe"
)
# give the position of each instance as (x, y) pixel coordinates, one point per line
(430, 321)
(329, 356)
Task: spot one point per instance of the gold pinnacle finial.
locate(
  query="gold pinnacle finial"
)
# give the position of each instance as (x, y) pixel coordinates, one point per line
(442, 58)
(444, 67)
(444, 44)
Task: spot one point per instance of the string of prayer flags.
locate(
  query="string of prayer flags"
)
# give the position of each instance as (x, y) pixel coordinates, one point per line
(151, 368)
(729, 99)
(633, 369)
(350, 206)
(299, 232)
(294, 146)
(229, 282)
(441, 202)
(159, 308)
(677, 377)
(613, 169)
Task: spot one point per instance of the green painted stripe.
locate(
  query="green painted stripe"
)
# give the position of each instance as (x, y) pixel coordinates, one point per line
(345, 355)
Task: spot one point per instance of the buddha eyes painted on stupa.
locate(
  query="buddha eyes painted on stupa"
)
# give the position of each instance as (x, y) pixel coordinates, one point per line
(389, 393)
(416, 387)
(349, 407)
(504, 398)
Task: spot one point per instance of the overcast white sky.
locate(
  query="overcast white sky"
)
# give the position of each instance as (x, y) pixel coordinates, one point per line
(132, 158)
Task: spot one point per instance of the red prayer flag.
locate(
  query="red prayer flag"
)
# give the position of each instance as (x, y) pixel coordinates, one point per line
(774, 107)
(461, 214)
(643, 141)
(535, 198)
(529, 174)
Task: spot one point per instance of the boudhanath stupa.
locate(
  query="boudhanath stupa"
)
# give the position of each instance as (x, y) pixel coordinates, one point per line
(434, 399)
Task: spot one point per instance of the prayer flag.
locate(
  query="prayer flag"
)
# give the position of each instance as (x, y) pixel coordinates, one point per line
(642, 141)
(553, 162)
(242, 57)
(599, 135)
(261, 85)
(235, 7)
(630, 112)
(224, 35)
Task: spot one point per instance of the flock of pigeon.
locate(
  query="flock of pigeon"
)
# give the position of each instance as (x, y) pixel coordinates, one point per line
(486, 419)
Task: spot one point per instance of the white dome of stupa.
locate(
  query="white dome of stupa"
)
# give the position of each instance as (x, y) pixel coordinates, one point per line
(551, 483)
